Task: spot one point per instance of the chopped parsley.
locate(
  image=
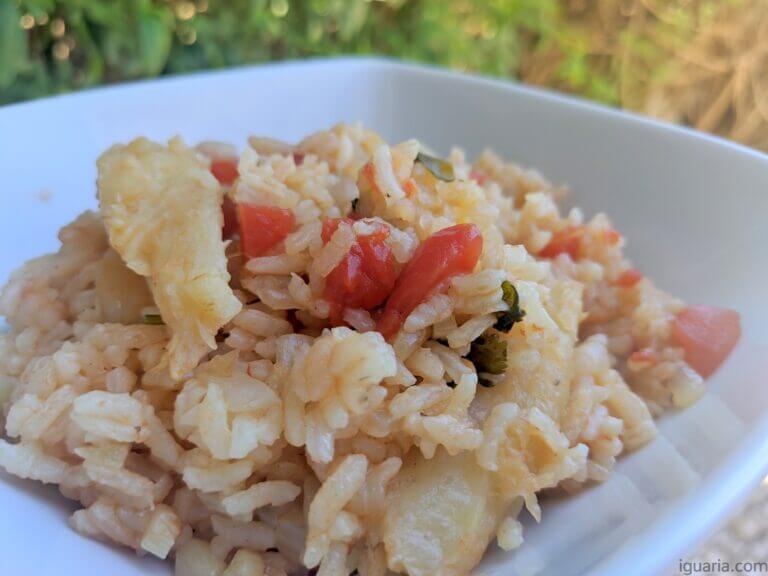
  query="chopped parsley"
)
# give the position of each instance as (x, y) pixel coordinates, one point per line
(438, 167)
(514, 314)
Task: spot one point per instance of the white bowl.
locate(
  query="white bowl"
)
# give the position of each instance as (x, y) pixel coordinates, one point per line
(693, 208)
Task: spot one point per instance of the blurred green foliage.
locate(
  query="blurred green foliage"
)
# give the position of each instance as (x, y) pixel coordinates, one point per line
(699, 62)
(53, 46)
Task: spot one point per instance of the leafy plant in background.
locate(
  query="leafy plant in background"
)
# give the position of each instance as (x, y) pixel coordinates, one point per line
(51, 46)
(701, 62)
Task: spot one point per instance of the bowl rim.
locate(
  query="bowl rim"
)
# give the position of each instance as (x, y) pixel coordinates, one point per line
(386, 64)
(739, 472)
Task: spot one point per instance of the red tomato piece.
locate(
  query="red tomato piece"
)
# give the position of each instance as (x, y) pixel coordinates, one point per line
(298, 158)
(225, 171)
(410, 187)
(629, 278)
(365, 277)
(478, 177)
(440, 257)
(331, 225)
(611, 236)
(707, 335)
(644, 356)
(566, 241)
(367, 176)
(262, 227)
(229, 209)
(378, 259)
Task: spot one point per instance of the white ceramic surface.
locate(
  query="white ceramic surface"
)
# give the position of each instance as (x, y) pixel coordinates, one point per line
(693, 208)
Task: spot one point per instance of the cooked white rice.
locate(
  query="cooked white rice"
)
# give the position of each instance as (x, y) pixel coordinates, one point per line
(271, 442)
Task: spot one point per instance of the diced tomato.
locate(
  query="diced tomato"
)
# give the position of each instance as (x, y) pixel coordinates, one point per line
(298, 158)
(410, 187)
(642, 357)
(225, 171)
(629, 278)
(478, 177)
(440, 257)
(229, 209)
(331, 225)
(365, 277)
(611, 236)
(707, 335)
(368, 177)
(262, 227)
(566, 241)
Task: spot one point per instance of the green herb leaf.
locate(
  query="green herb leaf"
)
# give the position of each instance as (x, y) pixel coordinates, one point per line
(153, 319)
(514, 314)
(440, 168)
(151, 315)
(489, 354)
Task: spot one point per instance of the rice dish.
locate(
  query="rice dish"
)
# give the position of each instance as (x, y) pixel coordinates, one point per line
(336, 356)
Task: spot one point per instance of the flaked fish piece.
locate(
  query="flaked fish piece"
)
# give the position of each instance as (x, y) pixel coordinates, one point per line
(162, 211)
